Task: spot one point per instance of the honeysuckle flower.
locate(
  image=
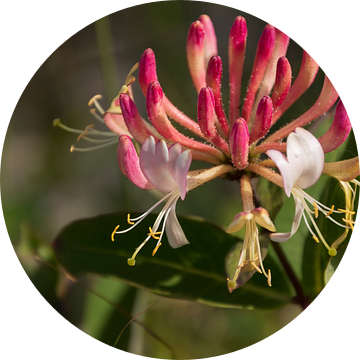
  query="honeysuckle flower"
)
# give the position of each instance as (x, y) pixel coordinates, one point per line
(250, 258)
(233, 142)
(165, 169)
(301, 169)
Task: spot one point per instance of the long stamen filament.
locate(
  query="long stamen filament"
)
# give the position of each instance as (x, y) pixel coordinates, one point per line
(73, 148)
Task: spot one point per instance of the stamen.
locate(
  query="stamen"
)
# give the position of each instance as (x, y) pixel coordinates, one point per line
(94, 101)
(156, 249)
(316, 239)
(347, 211)
(316, 210)
(85, 132)
(350, 222)
(269, 278)
(152, 234)
(113, 233)
(331, 211)
(129, 221)
(256, 267)
(96, 115)
(73, 148)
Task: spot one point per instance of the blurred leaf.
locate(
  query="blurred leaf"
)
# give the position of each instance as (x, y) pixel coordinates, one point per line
(194, 272)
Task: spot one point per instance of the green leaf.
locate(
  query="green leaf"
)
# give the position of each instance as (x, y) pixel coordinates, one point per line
(194, 272)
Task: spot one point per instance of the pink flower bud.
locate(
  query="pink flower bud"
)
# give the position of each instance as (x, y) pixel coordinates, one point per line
(262, 119)
(263, 55)
(195, 52)
(210, 42)
(239, 143)
(129, 164)
(237, 46)
(213, 80)
(206, 104)
(133, 120)
(282, 82)
(147, 70)
(338, 131)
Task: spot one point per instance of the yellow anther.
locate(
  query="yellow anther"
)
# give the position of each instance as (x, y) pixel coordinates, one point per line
(269, 278)
(347, 211)
(316, 239)
(128, 220)
(331, 211)
(92, 111)
(85, 132)
(256, 267)
(113, 233)
(350, 222)
(153, 234)
(93, 99)
(156, 249)
(316, 210)
(72, 147)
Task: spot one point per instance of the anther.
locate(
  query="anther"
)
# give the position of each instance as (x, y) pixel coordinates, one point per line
(316, 210)
(85, 132)
(129, 221)
(156, 249)
(316, 239)
(113, 233)
(347, 211)
(72, 148)
(350, 222)
(153, 234)
(331, 211)
(269, 278)
(256, 267)
(94, 98)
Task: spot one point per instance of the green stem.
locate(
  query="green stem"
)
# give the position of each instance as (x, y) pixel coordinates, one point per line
(300, 298)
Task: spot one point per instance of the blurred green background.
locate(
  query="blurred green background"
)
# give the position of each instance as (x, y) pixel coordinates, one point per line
(44, 186)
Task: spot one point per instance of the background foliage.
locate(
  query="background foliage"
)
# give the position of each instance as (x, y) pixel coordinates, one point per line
(47, 187)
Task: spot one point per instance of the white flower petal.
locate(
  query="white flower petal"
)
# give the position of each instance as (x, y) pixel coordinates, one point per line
(183, 163)
(288, 172)
(153, 163)
(174, 152)
(174, 231)
(281, 237)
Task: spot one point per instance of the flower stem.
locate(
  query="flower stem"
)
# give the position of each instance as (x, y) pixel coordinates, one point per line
(300, 298)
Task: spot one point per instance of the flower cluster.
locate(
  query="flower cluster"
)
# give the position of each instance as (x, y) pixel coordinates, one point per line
(241, 143)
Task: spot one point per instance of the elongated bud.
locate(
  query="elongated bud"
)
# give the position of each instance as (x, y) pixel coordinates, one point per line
(305, 78)
(237, 46)
(147, 70)
(195, 52)
(133, 120)
(263, 55)
(213, 80)
(129, 163)
(157, 115)
(338, 131)
(206, 105)
(239, 143)
(262, 119)
(282, 82)
(210, 42)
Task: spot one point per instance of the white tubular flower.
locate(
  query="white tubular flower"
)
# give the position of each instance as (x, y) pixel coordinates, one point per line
(301, 169)
(166, 169)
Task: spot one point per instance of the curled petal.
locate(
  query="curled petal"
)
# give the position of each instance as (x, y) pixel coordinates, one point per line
(129, 163)
(195, 53)
(282, 237)
(239, 143)
(345, 170)
(174, 231)
(261, 216)
(239, 221)
(338, 132)
(116, 123)
(153, 163)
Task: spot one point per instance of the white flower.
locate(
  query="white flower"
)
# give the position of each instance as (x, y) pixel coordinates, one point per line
(301, 169)
(166, 169)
